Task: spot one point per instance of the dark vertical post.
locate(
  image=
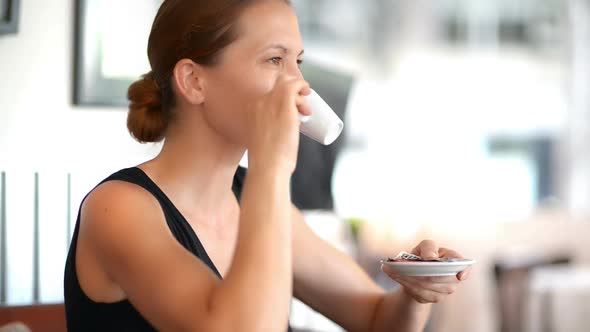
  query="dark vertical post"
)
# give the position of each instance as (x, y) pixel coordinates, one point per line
(3, 246)
(36, 296)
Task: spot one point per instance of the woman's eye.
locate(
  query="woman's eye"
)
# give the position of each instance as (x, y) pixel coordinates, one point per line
(276, 60)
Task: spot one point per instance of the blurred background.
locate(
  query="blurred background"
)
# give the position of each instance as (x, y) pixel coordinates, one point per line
(467, 122)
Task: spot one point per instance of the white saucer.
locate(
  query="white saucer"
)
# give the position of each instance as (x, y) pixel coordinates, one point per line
(429, 269)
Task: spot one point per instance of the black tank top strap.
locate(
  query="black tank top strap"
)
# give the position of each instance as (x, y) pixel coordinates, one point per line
(178, 225)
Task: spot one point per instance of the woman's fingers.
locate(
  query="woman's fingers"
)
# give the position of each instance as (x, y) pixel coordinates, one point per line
(303, 105)
(464, 275)
(422, 295)
(427, 249)
(429, 289)
(274, 126)
(445, 289)
(442, 285)
(295, 88)
(449, 253)
(432, 280)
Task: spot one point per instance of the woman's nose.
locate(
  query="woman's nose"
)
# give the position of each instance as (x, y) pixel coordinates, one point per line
(295, 71)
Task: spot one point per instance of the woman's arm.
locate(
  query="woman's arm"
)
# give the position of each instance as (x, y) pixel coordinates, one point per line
(333, 284)
(259, 283)
(124, 227)
(398, 311)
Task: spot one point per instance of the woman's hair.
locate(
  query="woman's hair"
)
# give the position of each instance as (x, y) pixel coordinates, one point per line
(183, 29)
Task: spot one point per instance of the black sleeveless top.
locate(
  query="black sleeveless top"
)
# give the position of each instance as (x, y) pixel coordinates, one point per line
(83, 314)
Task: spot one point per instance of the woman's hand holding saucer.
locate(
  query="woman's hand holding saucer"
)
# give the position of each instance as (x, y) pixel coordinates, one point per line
(432, 289)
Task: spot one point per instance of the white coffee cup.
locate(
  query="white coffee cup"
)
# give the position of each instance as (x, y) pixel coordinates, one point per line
(323, 125)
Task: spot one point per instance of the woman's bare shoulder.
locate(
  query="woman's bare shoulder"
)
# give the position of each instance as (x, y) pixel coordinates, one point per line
(115, 205)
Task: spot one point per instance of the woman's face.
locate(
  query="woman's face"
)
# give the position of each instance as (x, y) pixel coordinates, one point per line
(268, 45)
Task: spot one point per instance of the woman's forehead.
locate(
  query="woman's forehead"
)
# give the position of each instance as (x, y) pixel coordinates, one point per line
(267, 24)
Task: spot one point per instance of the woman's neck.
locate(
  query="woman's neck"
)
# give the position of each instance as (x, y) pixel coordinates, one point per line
(196, 167)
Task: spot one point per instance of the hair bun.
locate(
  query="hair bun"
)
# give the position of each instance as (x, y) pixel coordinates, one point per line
(146, 120)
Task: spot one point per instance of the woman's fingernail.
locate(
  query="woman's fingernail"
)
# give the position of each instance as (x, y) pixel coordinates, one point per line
(432, 255)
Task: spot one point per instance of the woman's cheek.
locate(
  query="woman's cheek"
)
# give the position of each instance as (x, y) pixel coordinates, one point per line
(264, 81)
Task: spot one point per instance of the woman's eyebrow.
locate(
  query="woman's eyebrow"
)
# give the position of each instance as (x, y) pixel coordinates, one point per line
(283, 48)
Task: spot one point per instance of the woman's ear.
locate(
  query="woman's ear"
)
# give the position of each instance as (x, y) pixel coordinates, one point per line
(187, 76)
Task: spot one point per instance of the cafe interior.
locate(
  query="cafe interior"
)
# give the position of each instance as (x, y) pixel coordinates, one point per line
(465, 121)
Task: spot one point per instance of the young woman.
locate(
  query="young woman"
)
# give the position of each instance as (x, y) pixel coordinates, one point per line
(176, 243)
